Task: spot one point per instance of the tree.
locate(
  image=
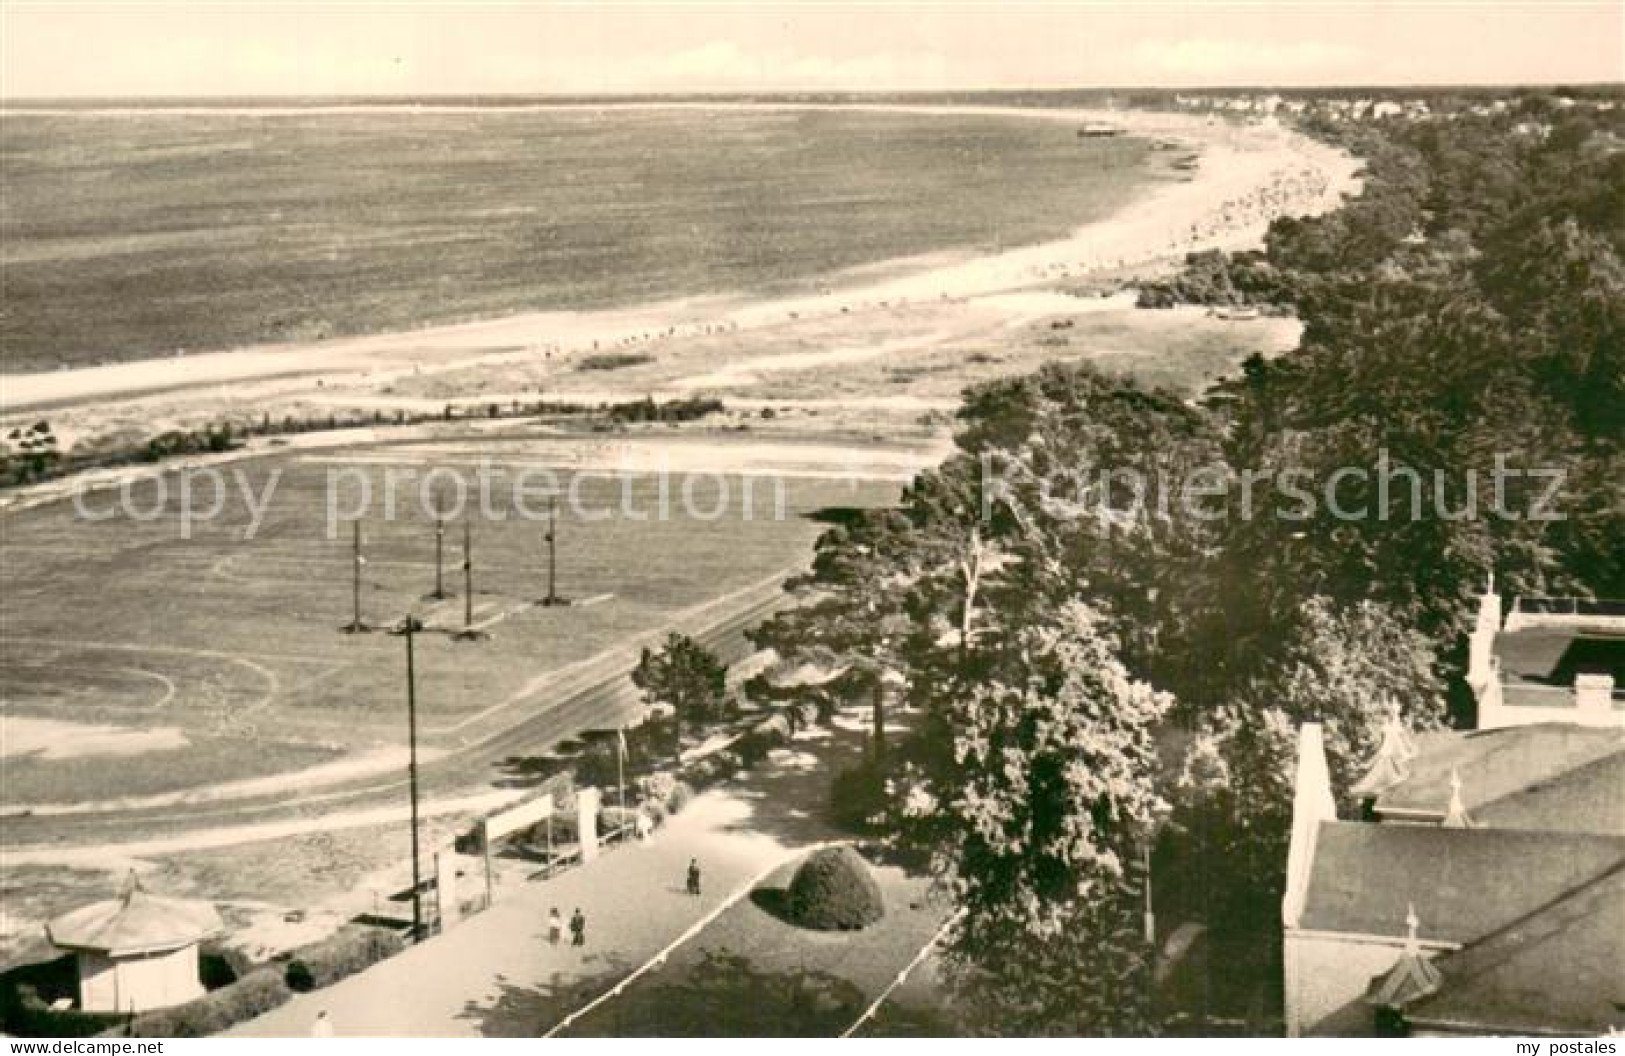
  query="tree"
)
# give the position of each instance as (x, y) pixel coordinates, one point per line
(686, 676)
(1345, 668)
(848, 619)
(1036, 803)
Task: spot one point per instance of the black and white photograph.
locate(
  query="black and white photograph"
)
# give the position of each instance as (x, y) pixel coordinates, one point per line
(880, 519)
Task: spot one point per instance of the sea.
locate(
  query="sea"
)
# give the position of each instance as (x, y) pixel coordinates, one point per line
(132, 231)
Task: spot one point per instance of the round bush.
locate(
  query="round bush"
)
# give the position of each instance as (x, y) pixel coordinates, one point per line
(678, 797)
(833, 891)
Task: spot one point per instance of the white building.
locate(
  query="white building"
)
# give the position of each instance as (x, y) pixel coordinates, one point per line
(136, 952)
(1548, 660)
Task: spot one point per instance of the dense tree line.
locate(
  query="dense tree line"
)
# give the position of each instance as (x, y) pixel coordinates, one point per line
(1105, 677)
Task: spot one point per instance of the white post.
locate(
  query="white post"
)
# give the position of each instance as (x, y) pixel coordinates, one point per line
(587, 822)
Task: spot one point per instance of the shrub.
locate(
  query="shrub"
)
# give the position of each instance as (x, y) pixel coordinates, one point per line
(657, 787)
(343, 954)
(29, 1015)
(833, 891)
(679, 796)
(597, 767)
(857, 796)
(713, 768)
(253, 995)
(614, 818)
(613, 360)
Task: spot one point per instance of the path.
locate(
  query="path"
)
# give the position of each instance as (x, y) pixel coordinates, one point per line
(634, 903)
(451, 985)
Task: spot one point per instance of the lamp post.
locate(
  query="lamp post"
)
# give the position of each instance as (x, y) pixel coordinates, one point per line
(412, 779)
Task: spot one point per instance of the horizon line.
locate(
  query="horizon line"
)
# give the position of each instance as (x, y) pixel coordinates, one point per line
(748, 93)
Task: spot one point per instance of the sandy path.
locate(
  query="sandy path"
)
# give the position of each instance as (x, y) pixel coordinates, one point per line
(1247, 175)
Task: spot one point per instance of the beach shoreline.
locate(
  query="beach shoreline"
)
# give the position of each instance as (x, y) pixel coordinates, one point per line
(1246, 174)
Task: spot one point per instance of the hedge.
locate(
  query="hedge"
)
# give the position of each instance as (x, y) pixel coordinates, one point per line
(253, 995)
(342, 954)
(28, 1015)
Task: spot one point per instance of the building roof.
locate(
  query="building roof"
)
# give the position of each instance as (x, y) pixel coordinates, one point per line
(1464, 883)
(1545, 776)
(135, 922)
(1537, 662)
(1589, 798)
(1558, 970)
(1411, 978)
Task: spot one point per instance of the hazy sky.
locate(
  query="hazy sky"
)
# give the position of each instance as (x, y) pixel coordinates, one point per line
(69, 48)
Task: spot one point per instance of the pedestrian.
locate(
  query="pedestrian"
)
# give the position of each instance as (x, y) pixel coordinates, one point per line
(555, 926)
(323, 1027)
(694, 876)
(578, 928)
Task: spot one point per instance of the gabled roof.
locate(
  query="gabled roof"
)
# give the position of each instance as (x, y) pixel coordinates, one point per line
(1514, 777)
(1557, 970)
(135, 922)
(1465, 883)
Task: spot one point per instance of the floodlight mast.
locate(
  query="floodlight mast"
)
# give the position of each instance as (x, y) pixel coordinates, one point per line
(357, 562)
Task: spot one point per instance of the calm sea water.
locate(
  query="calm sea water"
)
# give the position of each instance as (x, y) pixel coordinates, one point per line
(131, 235)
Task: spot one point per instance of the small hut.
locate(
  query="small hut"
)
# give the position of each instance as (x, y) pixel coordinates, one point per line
(137, 951)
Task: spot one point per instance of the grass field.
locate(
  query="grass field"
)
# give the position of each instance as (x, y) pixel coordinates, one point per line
(237, 643)
(752, 974)
(124, 237)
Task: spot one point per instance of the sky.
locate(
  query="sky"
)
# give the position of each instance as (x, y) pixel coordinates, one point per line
(375, 47)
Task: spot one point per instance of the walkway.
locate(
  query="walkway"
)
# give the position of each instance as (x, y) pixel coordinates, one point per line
(632, 896)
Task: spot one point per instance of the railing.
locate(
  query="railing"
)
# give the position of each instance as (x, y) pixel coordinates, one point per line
(1570, 607)
(1603, 613)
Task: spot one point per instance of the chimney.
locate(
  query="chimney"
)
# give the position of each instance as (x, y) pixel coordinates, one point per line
(1594, 697)
(1481, 644)
(1312, 803)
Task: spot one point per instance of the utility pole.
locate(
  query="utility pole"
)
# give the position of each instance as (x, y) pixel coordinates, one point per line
(468, 576)
(439, 555)
(468, 633)
(412, 780)
(552, 538)
(357, 562)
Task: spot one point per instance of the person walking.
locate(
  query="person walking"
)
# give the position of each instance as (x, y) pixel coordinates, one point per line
(323, 1027)
(578, 928)
(555, 926)
(694, 876)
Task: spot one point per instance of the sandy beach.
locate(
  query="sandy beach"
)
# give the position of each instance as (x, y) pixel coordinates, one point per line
(1247, 174)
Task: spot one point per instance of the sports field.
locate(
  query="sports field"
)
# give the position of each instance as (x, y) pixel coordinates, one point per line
(226, 654)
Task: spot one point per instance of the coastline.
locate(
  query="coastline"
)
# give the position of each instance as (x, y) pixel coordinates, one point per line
(1246, 174)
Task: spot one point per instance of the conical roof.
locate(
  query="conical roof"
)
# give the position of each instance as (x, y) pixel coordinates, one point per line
(1411, 978)
(135, 922)
(1455, 815)
(1391, 764)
